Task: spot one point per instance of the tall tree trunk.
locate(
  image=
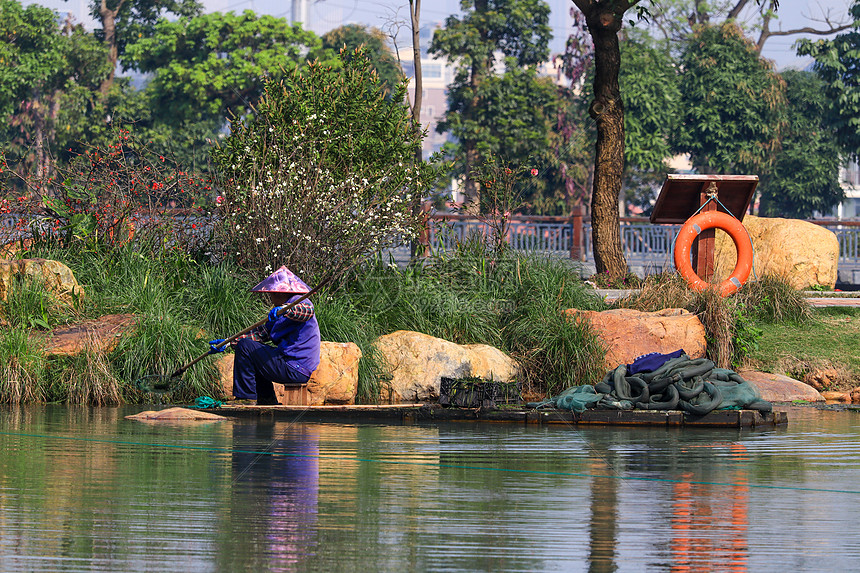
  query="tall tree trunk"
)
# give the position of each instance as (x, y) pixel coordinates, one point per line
(470, 146)
(419, 248)
(108, 18)
(607, 110)
(414, 18)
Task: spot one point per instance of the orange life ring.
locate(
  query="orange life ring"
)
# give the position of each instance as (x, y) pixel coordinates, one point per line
(710, 220)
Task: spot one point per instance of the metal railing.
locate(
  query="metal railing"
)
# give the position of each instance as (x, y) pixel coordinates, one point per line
(644, 243)
(639, 237)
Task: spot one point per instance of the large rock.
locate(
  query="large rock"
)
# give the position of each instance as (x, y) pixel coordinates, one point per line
(100, 335)
(417, 362)
(779, 388)
(803, 253)
(627, 334)
(335, 381)
(54, 275)
(176, 415)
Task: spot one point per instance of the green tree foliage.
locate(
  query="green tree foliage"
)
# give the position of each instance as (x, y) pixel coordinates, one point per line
(732, 101)
(209, 66)
(804, 177)
(650, 85)
(47, 72)
(649, 81)
(323, 173)
(352, 36)
(33, 53)
(518, 31)
(123, 21)
(837, 62)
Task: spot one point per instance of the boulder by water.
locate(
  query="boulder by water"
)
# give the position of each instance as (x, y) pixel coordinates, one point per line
(804, 253)
(627, 334)
(176, 415)
(778, 388)
(417, 362)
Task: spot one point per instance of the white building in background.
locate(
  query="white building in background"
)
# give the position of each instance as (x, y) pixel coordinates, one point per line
(850, 178)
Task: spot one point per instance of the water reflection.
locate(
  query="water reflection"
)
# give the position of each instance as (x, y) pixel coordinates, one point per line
(604, 515)
(709, 522)
(94, 492)
(275, 490)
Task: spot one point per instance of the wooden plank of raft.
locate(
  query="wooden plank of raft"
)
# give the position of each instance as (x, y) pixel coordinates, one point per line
(434, 412)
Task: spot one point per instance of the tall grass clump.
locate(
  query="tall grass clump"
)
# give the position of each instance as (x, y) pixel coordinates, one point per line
(730, 323)
(478, 293)
(341, 321)
(88, 379)
(218, 297)
(22, 368)
(160, 346)
(556, 352)
(431, 299)
(772, 299)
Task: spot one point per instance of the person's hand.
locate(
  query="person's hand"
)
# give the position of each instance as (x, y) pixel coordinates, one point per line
(217, 345)
(273, 314)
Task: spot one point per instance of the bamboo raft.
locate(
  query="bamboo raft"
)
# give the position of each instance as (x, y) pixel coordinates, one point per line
(412, 413)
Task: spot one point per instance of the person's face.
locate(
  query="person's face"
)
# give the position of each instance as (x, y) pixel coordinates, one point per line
(278, 298)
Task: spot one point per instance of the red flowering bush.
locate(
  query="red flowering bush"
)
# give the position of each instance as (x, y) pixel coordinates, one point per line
(109, 196)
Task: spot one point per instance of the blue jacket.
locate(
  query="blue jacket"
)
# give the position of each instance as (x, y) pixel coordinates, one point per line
(298, 339)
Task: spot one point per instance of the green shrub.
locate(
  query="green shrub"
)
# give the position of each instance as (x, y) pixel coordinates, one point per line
(323, 174)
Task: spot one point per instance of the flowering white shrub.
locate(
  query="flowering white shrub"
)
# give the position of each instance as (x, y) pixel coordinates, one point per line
(323, 174)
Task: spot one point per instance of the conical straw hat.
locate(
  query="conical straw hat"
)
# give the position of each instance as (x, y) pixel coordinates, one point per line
(282, 280)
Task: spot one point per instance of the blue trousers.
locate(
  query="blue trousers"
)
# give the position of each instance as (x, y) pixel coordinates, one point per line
(257, 367)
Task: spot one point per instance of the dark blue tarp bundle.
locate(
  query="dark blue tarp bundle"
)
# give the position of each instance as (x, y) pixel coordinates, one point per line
(676, 382)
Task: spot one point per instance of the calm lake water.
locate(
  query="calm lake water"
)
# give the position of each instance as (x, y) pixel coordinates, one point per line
(86, 490)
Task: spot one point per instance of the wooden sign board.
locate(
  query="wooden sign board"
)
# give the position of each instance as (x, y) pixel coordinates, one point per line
(681, 195)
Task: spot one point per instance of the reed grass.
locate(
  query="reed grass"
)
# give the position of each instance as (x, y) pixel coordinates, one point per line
(88, 378)
(22, 368)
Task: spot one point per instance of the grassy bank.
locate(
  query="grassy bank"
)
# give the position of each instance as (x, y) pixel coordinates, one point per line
(830, 340)
(472, 295)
